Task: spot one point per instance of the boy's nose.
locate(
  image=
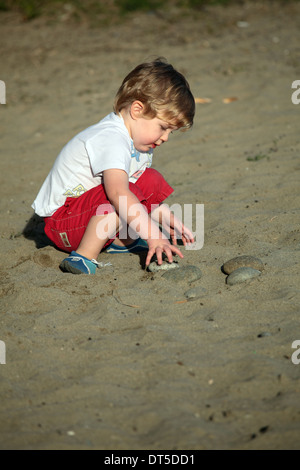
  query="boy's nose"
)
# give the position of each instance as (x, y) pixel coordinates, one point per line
(165, 136)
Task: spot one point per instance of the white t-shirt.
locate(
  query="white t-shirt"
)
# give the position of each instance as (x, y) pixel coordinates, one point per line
(79, 166)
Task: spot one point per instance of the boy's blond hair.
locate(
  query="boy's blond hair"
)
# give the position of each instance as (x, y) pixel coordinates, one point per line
(164, 92)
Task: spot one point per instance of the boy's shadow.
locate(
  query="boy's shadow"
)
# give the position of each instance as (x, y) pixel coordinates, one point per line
(142, 258)
(34, 230)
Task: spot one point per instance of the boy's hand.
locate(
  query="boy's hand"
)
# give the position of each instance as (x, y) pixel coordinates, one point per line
(182, 233)
(175, 228)
(160, 246)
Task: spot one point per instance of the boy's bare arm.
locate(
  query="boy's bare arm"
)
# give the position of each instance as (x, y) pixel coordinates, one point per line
(117, 186)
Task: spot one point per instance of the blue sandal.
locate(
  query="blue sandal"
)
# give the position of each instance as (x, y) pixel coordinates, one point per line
(137, 246)
(78, 264)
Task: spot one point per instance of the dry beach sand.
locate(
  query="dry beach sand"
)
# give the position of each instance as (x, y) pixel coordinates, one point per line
(123, 360)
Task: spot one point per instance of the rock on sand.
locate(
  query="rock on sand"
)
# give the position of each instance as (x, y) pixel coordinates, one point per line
(165, 266)
(241, 275)
(185, 273)
(242, 261)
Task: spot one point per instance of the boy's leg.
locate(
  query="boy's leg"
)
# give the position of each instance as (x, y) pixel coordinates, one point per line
(100, 229)
(67, 226)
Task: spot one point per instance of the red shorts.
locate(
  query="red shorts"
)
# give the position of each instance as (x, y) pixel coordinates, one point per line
(67, 225)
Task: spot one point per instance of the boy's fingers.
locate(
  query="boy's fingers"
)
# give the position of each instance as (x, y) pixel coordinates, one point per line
(174, 241)
(154, 251)
(188, 235)
(169, 250)
(187, 240)
(159, 252)
(149, 256)
(177, 251)
(169, 255)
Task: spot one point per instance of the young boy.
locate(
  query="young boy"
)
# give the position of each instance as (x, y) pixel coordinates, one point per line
(101, 182)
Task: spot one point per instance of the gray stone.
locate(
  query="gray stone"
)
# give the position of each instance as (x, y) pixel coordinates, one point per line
(185, 273)
(165, 266)
(195, 292)
(242, 275)
(264, 334)
(242, 262)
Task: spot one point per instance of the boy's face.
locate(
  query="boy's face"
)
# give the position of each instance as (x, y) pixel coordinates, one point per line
(150, 133)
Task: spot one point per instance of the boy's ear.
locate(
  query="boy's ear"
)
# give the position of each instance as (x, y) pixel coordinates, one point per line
(136, 109)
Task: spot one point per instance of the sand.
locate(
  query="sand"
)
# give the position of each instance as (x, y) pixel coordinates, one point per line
(123, 360)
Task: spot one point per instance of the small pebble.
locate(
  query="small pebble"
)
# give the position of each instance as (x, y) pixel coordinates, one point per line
(242, 261)
(263, 334)
(195, 292)
(165, 266)
(186, 273)
(242, 275)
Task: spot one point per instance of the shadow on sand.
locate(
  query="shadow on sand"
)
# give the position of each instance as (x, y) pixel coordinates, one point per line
(34, 230)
